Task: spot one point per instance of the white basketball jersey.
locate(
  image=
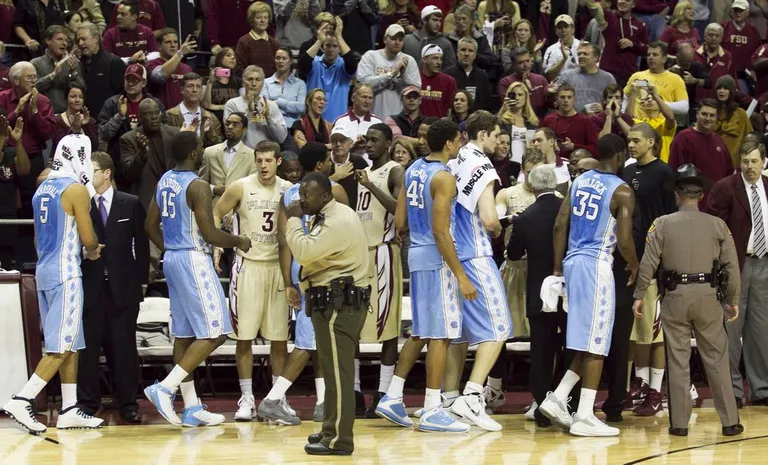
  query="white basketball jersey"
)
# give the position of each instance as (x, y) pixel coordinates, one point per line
(256, 217)
(378, 223)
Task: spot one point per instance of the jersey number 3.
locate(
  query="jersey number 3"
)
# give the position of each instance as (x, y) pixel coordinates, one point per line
(587, 203)
(415, 194)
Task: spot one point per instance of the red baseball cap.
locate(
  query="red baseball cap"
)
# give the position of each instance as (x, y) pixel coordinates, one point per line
(136, 70)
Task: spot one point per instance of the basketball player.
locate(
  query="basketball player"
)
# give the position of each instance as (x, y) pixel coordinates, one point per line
(437, 278)
(257, 293)
(183, 204)
(313, 157)
(377, 195)
(63, 228)
(598, 212)
(486, 320)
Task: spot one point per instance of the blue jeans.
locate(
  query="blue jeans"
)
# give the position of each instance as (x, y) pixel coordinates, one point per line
(655, 24)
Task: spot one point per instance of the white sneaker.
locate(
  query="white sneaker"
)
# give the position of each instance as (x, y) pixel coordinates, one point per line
(437, 420)
(471, 408)
(73, 418)
(198, 415)
(557, 411)
(530, 413)
(23, 412)
(494, 398)
(287, 406)
(246, 408)
(447, 403)
(591, 426)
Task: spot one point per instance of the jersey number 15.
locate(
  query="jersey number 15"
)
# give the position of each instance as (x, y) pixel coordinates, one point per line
(587, 203)
(169, 204)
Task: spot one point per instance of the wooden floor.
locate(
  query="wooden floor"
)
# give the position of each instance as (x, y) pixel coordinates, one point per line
(642, 440)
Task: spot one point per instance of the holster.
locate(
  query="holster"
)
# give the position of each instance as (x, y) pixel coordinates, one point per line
(660, 280)
(340, 293)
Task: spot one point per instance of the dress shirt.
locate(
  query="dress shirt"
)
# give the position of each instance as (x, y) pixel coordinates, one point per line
(763, 207)
(190, 115)
(229, 154)
(554, 54)
(289, 96)
(108, 195)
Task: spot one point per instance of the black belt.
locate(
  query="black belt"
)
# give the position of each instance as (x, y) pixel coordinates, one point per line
(693, 278)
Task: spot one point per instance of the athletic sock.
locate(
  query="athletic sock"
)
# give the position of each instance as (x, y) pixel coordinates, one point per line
(657, 376)
(385, 376)
(33, 387)
(357, 376)
(68, 395)
(246, 387)
(472, 388)
(494, 383)
(188, 394)
(644, 373)
(431, 399)
(174, 378)
(279, 389)
(450, 397)
(566, 385)
(320, 390)
(586, 402)
(395, 390)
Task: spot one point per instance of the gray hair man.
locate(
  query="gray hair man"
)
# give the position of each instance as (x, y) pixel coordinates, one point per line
(542, 180)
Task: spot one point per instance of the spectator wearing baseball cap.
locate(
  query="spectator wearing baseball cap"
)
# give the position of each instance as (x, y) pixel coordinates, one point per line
(742, 39)
(388, 71)
(359, 16)
(345, 163)
(408, 16)
(120, 115)
(437, 88)
(429, 34)
(406, 123)
(563, 55)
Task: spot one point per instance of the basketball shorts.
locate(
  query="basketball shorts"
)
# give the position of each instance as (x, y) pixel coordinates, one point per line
(485, 319)
(514, 274)
(590, 291)
(61, 315)
(647, 330)
(198, 305)
(305, 332)
(386, 276)
(257, 301)
(435, 304)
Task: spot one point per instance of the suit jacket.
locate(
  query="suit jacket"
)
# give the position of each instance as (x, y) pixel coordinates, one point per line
(214, 170)
(144, 172)
(122, 237)
(173, 117)
(729, 201)
(532, 234)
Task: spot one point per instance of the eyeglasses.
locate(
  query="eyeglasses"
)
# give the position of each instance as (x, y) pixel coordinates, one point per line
(31, 78)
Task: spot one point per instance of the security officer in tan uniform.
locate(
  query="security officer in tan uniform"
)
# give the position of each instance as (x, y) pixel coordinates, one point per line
(688, 243)
(334, 277)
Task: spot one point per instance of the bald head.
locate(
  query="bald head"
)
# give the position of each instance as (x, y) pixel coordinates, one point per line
(149, 115)
(315, 192)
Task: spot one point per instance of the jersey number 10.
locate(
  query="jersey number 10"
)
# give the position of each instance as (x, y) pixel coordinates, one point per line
(587, 203)
(415, 194)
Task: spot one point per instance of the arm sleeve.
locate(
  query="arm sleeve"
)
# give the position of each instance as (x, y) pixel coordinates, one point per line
(366, 73)
(295, 107)
(350, 63)
(141, 242)
(411, 75)
(276, 123)
(653, 247)
(308, 248)
(132, 163)
(369, 10)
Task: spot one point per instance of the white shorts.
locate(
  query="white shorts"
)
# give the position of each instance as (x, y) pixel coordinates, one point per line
(257, 301)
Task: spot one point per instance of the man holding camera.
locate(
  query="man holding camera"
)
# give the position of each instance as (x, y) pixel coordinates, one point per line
(671, 87)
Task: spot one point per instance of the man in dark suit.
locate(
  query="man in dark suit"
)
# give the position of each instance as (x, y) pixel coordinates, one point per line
(532, 236)
(113, 290)
(740, 201)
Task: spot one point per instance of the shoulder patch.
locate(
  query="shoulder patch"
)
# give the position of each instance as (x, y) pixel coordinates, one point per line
(653, 227)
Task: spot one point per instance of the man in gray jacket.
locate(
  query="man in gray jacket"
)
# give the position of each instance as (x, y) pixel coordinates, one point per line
(57, 70)
(431, 18)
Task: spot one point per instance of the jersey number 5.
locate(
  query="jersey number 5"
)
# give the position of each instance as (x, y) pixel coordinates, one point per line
(415, 194)
(169, 204)
(44, 209)
(587, 203)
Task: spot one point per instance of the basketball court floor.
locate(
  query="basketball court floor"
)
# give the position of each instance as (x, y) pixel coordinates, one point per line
(642, 440)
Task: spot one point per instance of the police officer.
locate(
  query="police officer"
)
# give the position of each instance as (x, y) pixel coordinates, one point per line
(333, 255)
(697, 251)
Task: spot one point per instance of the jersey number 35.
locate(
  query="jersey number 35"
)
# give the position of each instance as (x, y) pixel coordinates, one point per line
(587, 203)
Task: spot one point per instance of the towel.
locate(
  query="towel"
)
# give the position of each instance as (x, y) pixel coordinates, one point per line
(552, 289)
(473, 172)
(73, 160)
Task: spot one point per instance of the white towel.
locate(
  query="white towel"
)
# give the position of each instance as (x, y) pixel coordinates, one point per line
(473, 171)
(73, 160)
(552, 289)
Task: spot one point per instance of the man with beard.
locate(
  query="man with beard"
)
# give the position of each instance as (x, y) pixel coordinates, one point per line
(429, 34)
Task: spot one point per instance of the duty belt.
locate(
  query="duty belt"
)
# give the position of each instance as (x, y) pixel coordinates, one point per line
(692, 278)
(340, 293)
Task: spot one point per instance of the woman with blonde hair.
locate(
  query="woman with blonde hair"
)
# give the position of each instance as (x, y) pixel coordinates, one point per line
(311, 126)
(402, 152)
(522, 35)
(681, 28)
(257, 47)
(517, 113)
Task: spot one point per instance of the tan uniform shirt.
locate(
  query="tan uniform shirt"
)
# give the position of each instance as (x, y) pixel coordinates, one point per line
(378, 223)
(688, 242)
(256, 217)
(335, 246)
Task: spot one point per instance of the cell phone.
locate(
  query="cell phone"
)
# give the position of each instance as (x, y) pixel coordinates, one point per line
(223, 72)
(642, 83)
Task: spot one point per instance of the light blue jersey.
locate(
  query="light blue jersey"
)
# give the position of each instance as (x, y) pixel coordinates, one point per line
(56, 236)
(291, 196)
(593, 227)
(180, 231)
(469, 234)
(423, 254)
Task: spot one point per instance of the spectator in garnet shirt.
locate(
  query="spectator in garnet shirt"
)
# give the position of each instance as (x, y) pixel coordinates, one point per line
(626, 39)
(574, 130)
(681, 28)
(718, 61)
(7, 14)
(437, 88)
(130, 40)
(150, 15)
(227, 22)
(257, 47)
(166, 71)
(521, 62)
(652, 13)
(702, 147)
(742, 39)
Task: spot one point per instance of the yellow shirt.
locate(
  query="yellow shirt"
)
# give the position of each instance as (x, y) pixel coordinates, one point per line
(670, 87)
(667, 134)
(733, 131)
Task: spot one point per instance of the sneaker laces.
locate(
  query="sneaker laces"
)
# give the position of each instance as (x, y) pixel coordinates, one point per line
(83, 414)
(31, 412)
(245, 398)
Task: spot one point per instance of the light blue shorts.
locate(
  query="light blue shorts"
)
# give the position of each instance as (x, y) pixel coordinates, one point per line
(305, 332)
(198, 306)
(590, 291)
(435, 304)
(61, 315)
(486, 319)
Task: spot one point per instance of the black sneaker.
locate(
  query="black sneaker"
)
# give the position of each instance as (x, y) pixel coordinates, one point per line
(371, 412)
